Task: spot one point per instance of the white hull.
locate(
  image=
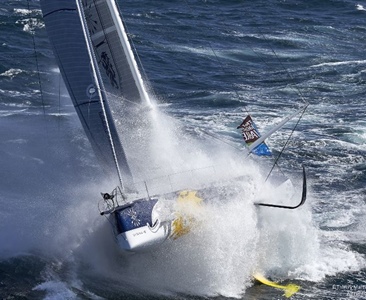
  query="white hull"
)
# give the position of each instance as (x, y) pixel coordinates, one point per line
(142, 238)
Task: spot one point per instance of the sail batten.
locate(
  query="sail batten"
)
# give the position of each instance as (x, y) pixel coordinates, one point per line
(98, 35)
(58, 10)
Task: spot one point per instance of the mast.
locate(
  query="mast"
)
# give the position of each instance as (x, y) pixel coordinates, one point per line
(99, 87)
(72, 50)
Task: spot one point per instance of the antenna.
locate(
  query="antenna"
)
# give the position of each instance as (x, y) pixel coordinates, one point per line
(37, 63)
(147, 190)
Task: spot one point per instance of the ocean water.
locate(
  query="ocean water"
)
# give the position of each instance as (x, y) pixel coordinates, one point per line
(207, 63)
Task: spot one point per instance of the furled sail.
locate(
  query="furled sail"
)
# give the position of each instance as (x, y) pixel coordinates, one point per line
(70, 47)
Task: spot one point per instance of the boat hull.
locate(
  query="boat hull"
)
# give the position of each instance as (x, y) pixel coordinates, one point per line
(139, 226)
(142, 238)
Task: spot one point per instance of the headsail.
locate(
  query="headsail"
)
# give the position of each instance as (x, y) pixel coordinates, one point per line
(261, 139)
(251, 134)
(113, 52)
(70, 48)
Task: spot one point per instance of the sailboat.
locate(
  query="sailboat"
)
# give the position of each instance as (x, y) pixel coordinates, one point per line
(96, 60)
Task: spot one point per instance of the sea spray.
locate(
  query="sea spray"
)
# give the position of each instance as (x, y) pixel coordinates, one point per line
(217, 257)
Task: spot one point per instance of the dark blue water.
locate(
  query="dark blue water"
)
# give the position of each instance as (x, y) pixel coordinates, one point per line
(208, 63)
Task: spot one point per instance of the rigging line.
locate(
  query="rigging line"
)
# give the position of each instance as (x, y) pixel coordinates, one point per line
(237, 93)
(288, 73)
(281, 64)
(37, 64)
(219, 139)
(59, 101)
(223, 70)
(286, 143)
(298, 91)
(122, 99)
(278, 59)
(226, 142)
(180, 121)
(136, 53)
(222, 140)
(59, 93)
(97, 83)
(266, 63)
(221, 64)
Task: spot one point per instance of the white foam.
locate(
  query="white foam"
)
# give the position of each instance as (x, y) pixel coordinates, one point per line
(31, 24)
(56, 290)
(360, 7)
(216, 258)
(232, 238)
(340, 218)
(330, 261)
(340, 63)
(12, 73)
(24, 12)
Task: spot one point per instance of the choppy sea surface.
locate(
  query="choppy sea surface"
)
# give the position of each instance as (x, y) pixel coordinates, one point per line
(208, 62)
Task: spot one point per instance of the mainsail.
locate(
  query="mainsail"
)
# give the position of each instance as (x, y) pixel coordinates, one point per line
(70, 47)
